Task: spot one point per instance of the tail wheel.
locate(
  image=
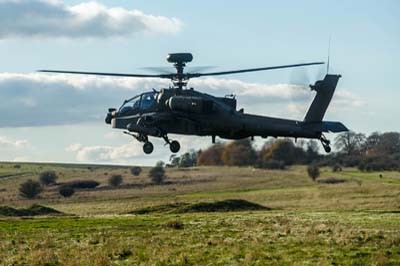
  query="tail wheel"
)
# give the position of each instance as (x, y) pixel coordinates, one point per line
(174, 146)
(148, 147)
(327, 148)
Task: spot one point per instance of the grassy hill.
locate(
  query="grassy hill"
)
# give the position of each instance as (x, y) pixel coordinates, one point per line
(354, 222)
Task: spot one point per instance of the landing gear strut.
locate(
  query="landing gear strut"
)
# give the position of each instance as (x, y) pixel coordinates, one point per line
(325, 144)
(147, 146)
(174, 145)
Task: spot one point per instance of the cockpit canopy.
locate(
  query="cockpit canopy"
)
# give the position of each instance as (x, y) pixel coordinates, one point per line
(142, 103)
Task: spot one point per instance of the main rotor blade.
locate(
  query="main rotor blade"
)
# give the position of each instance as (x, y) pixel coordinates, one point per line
(168, 76)
(250, 70)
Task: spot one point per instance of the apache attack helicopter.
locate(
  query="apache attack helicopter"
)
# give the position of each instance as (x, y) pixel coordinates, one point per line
(178, 110)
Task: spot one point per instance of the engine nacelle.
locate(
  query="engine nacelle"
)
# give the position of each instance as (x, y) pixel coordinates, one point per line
(190, 104)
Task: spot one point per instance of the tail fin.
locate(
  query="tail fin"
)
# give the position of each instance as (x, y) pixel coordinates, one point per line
(325, 89)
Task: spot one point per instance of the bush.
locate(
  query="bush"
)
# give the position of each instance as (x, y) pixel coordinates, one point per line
(136, 170)
(313, 171)
(30, 189)
(48, 178)
(17, 166)
(379, 163)
(271, 164)
(66, 191)
(174, 224)
(332, 180)
(115, 180)
(83, 184)
(157, 174)
(336, 168)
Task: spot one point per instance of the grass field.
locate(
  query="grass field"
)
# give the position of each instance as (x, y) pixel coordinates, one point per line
(356, 222)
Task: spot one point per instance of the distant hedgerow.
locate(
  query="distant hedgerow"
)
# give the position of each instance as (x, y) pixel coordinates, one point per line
(83, 184)
(66, 191)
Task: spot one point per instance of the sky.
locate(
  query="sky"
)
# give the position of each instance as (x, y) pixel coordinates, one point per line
(60, 118)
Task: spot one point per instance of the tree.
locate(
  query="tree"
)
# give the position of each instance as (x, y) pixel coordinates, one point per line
(371, 144)
(389, 143)
(350, 143)
(312, 150)
(115, 180)
(30, 189)
(284, 150)
(136, 170)
(212, 155)
(48, 178)
(313, 171)
(239, 153)
(157, 174)
(187, 159)
(66, 191)
(160, 164)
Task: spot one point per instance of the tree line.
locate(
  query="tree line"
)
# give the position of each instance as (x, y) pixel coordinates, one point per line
(377, 151)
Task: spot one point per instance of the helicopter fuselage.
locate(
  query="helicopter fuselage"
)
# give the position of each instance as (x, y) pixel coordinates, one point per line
(189, 112)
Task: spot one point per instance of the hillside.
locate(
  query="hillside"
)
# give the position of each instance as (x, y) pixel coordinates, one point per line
(289, 218)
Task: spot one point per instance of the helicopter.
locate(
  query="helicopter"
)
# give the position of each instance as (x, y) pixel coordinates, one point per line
(186, 111)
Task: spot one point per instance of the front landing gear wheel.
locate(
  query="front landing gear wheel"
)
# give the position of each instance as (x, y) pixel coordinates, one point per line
(148, 147)
(174, 146)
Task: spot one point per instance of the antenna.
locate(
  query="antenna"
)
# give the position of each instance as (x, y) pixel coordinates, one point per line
(329, 53)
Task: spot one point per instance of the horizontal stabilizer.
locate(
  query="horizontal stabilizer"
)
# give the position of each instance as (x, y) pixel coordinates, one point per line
(326, 126)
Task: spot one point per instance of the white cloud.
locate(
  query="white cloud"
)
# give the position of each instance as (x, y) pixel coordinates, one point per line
(41, 99)
(53, 18)
(132, 151)
(7, 143)
(119, 154)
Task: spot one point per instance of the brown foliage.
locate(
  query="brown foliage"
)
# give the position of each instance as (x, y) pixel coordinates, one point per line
(239, 153)
(211, 156)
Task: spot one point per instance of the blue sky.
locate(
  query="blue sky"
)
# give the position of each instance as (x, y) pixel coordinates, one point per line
(60, 118)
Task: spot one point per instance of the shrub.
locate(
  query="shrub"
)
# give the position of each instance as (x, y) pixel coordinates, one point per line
(332, 180)
(136, 170)
(83, 184)
(17, 166)
(30, 189)
(157, 174)
(48, 178)
(336, 168)
(313, 171)
(379, 163)
(115, 180)
(174, 224)
(66, 191)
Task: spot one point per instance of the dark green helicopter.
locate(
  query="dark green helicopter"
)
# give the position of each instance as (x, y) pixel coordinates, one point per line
(178, 110)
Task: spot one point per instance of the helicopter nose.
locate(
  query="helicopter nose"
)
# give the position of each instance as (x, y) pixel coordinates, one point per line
(110, 115)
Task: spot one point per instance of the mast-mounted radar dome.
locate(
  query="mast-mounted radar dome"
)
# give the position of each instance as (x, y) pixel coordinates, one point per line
(180, 58)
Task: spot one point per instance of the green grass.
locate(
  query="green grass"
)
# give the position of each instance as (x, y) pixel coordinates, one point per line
(352, 223)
